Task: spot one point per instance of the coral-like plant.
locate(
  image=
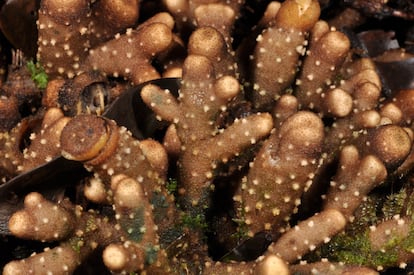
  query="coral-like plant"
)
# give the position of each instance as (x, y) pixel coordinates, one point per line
(278, 153)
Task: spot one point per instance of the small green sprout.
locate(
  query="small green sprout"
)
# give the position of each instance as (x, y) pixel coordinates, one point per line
(38, 74)
(172, 185)
(242, 230)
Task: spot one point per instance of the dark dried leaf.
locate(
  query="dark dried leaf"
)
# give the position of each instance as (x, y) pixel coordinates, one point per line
(396, 75)
(18, 23)
(395, 65)
(376, 42)
(250, 249)
(130, 111)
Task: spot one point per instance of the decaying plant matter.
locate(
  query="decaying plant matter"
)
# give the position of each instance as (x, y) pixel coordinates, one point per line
(286, 151)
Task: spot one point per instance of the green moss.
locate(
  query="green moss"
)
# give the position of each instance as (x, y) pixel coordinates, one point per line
(408, 242)
(354, 247)
(38, 74)
(394, 204)
(193, 222)
(357, 250)
(365, 215)
(409, 206)
(345, 248)
(197, 222)
(91, 225)
(76, 243)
